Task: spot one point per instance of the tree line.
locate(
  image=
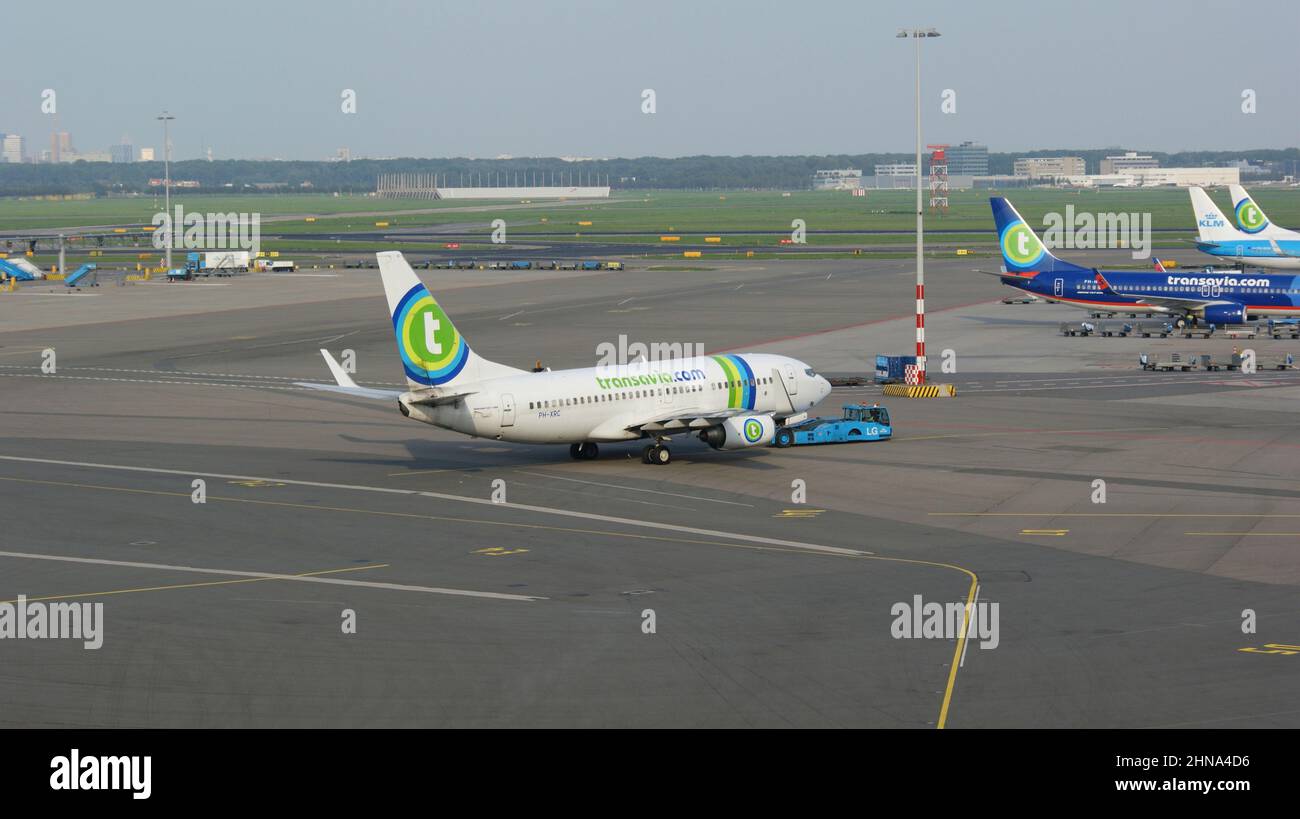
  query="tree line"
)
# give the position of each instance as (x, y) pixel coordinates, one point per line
(681, 173)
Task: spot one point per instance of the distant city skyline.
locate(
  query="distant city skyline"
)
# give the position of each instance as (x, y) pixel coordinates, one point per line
(546, 79)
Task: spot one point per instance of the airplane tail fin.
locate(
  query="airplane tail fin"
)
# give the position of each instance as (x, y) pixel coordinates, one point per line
(1022, 250)
(1211, 225)
(434, 353)
(1251, 219)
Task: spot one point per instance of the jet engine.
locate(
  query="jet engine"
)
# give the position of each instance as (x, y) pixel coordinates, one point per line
(741, 432)
(1219, 314)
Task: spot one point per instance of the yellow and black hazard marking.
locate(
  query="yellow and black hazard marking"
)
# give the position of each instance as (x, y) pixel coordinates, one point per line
(1047, 532)
(499, 551)
(255, 484)
(1273, 648)
(921, 390)
(798, 513)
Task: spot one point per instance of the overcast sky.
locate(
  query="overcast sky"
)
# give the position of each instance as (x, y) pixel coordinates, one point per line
(553, 77)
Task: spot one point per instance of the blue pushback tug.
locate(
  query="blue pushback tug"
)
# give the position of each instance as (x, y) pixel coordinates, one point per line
(860, 423)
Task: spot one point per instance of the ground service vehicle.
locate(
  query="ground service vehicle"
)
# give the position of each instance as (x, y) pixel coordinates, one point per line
(859, 423)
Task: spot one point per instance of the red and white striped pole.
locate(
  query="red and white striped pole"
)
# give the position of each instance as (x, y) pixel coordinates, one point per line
(917, 35)
(920, 326)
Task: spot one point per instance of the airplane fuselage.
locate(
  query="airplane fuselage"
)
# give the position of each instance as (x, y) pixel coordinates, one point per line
(599, 404)
(1261, 293)
(1258, 252)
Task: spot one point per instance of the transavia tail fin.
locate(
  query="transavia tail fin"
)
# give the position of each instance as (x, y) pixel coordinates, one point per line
(1211, 225)
(1250, 217)
(434, 353)
(1022, 250)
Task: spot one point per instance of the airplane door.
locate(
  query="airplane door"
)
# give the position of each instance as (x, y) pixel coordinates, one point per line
(1058, 287)
(791, 382)
(665, 397)
(507, 410)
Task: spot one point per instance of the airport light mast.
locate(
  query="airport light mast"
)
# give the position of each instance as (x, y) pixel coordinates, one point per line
(918, 34)
(167, 183)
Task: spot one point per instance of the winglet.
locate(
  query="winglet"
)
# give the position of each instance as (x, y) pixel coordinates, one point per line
(340, 375)
(1102, 283)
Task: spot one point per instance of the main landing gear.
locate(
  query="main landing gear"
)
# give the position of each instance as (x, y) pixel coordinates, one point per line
(584, 452)
(657, 454)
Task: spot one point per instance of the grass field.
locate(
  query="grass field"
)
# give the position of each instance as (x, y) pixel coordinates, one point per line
(740, 218)
(17, 214)
(697, 214)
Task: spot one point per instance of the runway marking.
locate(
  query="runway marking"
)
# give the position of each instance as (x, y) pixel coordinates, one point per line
(482, 521)
(154, 381)
(416, 472)
(80, 295)
(1225, 719)
(1243, 534)
(182, 285)
(970, 606)
(798, 513)
(499, 551)
(369, 584)
(1110, 515)
(1276, 648)
(1051, 532)
(186, 373)
(794, 547)
(1001, 433)
(194, 585)
(255, 484)
(545, 510)
(632, 488)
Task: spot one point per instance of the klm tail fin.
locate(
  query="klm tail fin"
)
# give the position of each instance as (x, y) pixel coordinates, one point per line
(1022, 250)
(1251, 219)
(1212, 226)
(434, 353)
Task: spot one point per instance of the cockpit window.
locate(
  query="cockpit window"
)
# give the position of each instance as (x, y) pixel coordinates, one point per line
(811, 372)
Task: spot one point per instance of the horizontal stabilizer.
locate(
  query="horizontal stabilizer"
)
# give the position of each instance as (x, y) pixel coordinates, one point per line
(344, 383)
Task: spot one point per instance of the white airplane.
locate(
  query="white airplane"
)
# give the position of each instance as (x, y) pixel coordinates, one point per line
(1253, 240)
(728, 401)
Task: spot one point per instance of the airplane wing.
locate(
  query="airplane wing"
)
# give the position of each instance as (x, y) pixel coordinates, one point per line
(685, 420)
(666, 420)
(346, 386)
